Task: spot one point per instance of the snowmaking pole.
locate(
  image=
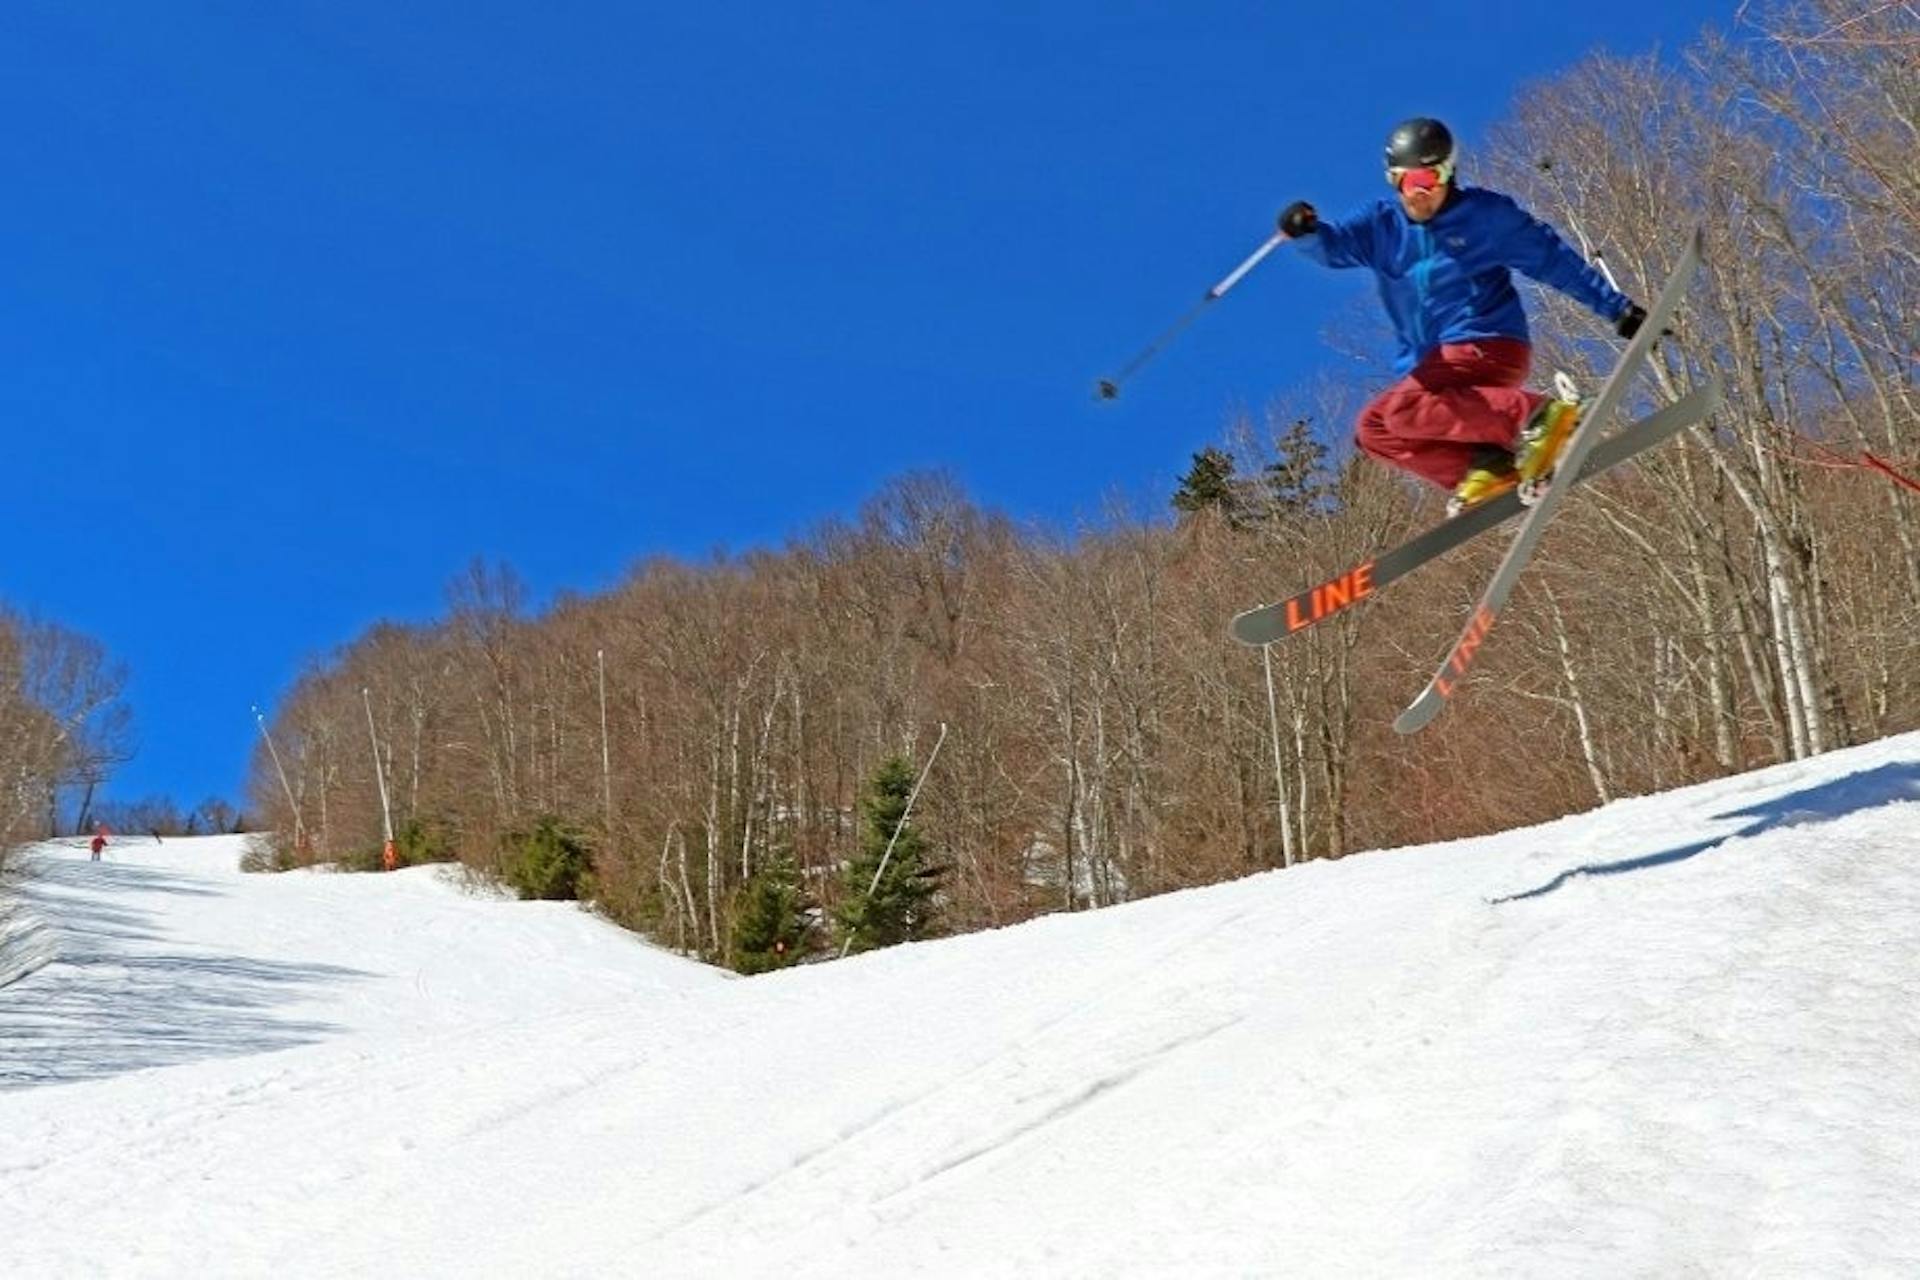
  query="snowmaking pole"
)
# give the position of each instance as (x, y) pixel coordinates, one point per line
(298, 842)
(389, 857)
(1109, 388)
(1279, 770)
(606, 751)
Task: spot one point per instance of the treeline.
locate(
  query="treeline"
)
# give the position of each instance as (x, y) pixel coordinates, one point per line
(162, 816)
(63, 725)
(1748, 594)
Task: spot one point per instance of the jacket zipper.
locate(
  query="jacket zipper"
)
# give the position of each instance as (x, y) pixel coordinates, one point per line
(1422, 270)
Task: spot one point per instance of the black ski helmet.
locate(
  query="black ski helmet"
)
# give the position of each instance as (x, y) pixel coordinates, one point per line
(1420, 143)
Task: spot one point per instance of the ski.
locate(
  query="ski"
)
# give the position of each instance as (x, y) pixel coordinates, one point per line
(1277, 621)
(1586, 435)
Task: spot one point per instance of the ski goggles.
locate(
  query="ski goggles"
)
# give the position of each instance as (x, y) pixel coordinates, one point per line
(1422, 178)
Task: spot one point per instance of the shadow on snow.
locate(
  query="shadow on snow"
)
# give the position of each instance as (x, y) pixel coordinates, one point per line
(111, 1002)
(1867, 789)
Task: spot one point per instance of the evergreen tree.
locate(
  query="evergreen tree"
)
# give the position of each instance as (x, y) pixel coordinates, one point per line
(774, 924)
(901, 907)
(417, 842)
(1298, 480)
(1210, 485)
(548, 860)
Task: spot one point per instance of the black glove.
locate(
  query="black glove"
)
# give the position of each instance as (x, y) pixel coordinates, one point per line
(1632, 318)
(1298, 219)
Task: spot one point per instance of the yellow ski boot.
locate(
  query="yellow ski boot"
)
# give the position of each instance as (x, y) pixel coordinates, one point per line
(1540, 443)
(1491, 473)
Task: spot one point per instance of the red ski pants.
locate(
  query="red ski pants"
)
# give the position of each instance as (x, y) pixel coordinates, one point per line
(1463, 394)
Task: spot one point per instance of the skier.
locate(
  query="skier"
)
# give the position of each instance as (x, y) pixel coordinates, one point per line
(99, 841)
(1442, 255)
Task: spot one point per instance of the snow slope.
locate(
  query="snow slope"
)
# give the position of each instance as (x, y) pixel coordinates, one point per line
(1677, 1036)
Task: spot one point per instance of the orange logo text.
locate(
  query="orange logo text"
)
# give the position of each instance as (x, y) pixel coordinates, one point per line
(1330, 597)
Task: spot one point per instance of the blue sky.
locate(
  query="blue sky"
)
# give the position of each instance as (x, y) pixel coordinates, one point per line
(308, 304)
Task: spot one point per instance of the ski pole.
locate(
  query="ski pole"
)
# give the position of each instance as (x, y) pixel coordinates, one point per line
(1109, 388)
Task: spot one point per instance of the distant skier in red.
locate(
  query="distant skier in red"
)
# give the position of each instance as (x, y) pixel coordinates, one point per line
(1443, 255)
(99, 844)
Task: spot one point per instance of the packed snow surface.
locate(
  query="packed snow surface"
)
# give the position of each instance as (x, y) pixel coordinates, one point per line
(1676, 1036)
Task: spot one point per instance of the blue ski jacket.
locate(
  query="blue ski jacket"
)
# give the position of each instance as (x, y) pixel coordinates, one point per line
(1449, 279)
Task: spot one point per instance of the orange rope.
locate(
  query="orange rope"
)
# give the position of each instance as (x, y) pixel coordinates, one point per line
(1880, 465)
(1866, 462)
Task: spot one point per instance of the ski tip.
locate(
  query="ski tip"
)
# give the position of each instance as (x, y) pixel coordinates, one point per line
(1710, 394)
(1420, 713)
(1250, 628)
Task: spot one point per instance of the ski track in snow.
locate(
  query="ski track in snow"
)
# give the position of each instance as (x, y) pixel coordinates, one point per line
(1676, 1036)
